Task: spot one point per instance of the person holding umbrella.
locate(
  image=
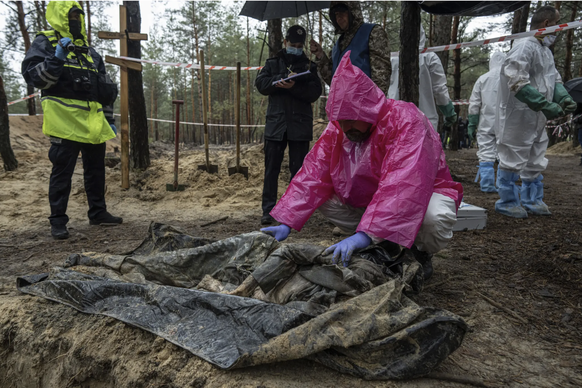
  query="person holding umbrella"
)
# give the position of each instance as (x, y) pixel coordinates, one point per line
(368, 44)
(289, 118)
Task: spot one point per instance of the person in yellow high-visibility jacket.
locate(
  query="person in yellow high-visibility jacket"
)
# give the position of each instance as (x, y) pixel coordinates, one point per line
(77, 100)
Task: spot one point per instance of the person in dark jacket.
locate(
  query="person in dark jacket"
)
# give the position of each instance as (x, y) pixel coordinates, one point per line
(367, 43)
(77, 101)
(289, 114)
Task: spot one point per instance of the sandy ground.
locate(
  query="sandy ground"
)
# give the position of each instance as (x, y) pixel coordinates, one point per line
(532, 267)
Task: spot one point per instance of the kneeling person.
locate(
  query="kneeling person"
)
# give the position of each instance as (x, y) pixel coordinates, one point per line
(378, 170)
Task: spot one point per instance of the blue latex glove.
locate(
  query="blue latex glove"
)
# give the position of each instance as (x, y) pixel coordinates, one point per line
(61, 52)
(280, 232)
(346, 247)
(114, 129)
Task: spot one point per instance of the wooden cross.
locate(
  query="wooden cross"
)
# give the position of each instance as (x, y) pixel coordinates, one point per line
(123, 64)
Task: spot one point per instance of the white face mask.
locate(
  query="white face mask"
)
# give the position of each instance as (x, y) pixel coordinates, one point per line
(549, 40)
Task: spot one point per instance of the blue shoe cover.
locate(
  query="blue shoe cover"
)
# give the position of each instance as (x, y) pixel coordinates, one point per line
(487, 174)
(532, 193)
(508, 204)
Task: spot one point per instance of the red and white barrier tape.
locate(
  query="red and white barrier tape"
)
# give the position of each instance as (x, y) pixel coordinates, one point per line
(210, 125)
(505, 38)
(189, 65)
(24, 98)
(560, 128)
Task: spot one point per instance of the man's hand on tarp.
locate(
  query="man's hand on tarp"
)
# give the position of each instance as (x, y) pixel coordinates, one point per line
(345, 248)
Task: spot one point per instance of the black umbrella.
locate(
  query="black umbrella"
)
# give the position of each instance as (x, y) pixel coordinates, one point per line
(470, 8)
(267, 10)
(574, 87)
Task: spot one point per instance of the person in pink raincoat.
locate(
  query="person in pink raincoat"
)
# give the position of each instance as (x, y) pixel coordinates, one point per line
(377, 171)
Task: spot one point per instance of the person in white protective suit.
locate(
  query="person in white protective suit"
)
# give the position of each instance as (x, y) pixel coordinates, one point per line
(530, 93)
(482, 106)
(432, 86)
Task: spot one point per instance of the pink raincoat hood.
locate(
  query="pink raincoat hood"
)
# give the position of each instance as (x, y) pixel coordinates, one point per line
(392, 174)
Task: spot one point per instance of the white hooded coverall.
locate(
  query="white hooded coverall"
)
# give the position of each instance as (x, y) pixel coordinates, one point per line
(432, 83)
(521, 137)
(483, 102)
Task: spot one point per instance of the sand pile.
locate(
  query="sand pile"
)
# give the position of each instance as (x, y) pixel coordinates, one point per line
(24, 192)
(564, 148)
(26, 134)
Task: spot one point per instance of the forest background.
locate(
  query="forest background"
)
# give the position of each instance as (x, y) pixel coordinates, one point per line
(183, 29)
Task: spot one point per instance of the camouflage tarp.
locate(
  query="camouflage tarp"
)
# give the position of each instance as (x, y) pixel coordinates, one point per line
(355, 320)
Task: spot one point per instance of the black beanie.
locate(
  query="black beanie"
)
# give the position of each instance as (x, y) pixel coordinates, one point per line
(296, 34)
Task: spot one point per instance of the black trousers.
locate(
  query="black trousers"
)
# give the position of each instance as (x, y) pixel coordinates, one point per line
(63, 155)
(274, 152)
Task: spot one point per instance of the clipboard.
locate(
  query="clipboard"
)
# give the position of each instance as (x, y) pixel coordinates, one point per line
(293, 76)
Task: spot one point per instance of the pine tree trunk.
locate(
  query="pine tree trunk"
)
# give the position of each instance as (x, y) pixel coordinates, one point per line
(10, 162)
(409, 38)
(569, 45)
(520, 17)
(322, 101)
(275, 36)
(457, 78)
(198, 77)
(152, 110)
(156, 124)
(139, 147)
(442, 36)
(88, 19)
(31, 103)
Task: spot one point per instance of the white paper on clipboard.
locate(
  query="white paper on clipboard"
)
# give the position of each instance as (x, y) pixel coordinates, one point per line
(293, 76)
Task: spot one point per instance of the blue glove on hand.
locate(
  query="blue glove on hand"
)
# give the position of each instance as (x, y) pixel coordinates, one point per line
(61, 52)
(114, 129)
(280, 232)
(346, 247)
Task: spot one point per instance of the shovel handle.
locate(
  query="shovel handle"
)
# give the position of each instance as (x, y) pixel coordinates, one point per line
(177, 140)
(237, 115)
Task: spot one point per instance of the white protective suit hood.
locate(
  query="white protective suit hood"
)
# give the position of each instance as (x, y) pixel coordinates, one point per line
(433, 89)
(496, 61)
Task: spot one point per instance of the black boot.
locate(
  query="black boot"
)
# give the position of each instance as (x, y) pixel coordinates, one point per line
(267, 219)
(59, 232)
(106, 219)
(425, 259)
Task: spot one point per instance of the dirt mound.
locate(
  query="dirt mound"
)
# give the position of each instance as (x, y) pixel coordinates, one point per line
(218, 194)
(319, 126)
(564, 148)
(26, 134)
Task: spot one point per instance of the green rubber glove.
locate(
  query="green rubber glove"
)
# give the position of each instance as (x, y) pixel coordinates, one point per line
(473, 123)
(537, 102)
(449, 112)
(562, 97)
